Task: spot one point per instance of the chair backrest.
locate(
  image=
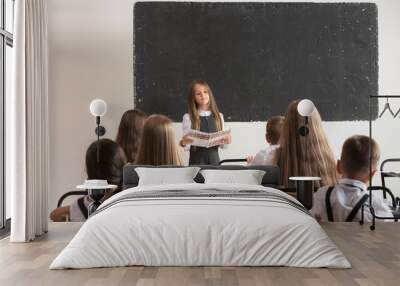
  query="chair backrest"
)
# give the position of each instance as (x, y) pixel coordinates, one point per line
(390, 160)
(241, 160)
(71, 193)
(270, 179)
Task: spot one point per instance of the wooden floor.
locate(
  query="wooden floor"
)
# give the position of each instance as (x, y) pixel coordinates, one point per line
(374, 255)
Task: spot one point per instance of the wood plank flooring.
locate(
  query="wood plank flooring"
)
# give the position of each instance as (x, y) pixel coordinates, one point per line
(374, 255)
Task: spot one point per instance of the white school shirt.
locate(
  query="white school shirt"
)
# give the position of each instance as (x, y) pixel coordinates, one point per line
(75, 213)
(265, 156)
(344, 197)
(187, 125)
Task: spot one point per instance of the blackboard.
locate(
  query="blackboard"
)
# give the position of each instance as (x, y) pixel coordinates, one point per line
(257, 57)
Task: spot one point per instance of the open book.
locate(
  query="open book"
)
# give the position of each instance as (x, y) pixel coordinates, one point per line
(207, 140)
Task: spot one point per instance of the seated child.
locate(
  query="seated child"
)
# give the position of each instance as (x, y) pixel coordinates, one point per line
(291, 157)
(130, 131)
(272, 135)
(158, 146)
(112, 160)
(343, 201)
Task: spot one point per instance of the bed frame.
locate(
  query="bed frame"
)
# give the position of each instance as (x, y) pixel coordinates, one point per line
(270, 179)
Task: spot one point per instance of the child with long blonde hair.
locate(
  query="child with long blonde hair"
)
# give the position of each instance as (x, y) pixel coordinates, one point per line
(308, 155)
(203, 114)
(157, 145)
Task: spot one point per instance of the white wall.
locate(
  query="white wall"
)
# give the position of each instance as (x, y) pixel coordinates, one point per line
(91, 55)
(90, 44)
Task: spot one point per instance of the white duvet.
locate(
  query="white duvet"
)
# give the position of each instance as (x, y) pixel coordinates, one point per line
(207, 230)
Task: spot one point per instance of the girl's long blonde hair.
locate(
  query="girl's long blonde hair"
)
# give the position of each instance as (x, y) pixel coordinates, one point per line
(308, 155)
(158, 146)
(192, 106)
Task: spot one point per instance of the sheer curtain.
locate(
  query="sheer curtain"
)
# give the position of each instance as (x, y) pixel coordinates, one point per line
(28, 147)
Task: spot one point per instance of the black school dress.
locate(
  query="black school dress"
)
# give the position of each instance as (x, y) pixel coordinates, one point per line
(201, 155)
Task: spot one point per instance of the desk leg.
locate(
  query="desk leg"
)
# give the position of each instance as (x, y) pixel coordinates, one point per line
(304, 193)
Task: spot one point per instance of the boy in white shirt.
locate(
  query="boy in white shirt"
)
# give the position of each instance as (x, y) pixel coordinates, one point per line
(343, 201)
(272, 135)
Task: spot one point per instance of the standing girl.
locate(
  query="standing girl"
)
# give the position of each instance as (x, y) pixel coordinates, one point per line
(203, 115)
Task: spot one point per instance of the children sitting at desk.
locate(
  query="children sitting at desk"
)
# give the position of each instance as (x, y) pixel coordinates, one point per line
(272, 135)
(343, 201)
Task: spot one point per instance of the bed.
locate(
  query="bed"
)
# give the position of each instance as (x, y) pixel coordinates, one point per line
(197, 224)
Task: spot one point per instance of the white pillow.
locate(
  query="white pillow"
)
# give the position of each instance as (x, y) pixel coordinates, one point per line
(165, 176)
(248, 177)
